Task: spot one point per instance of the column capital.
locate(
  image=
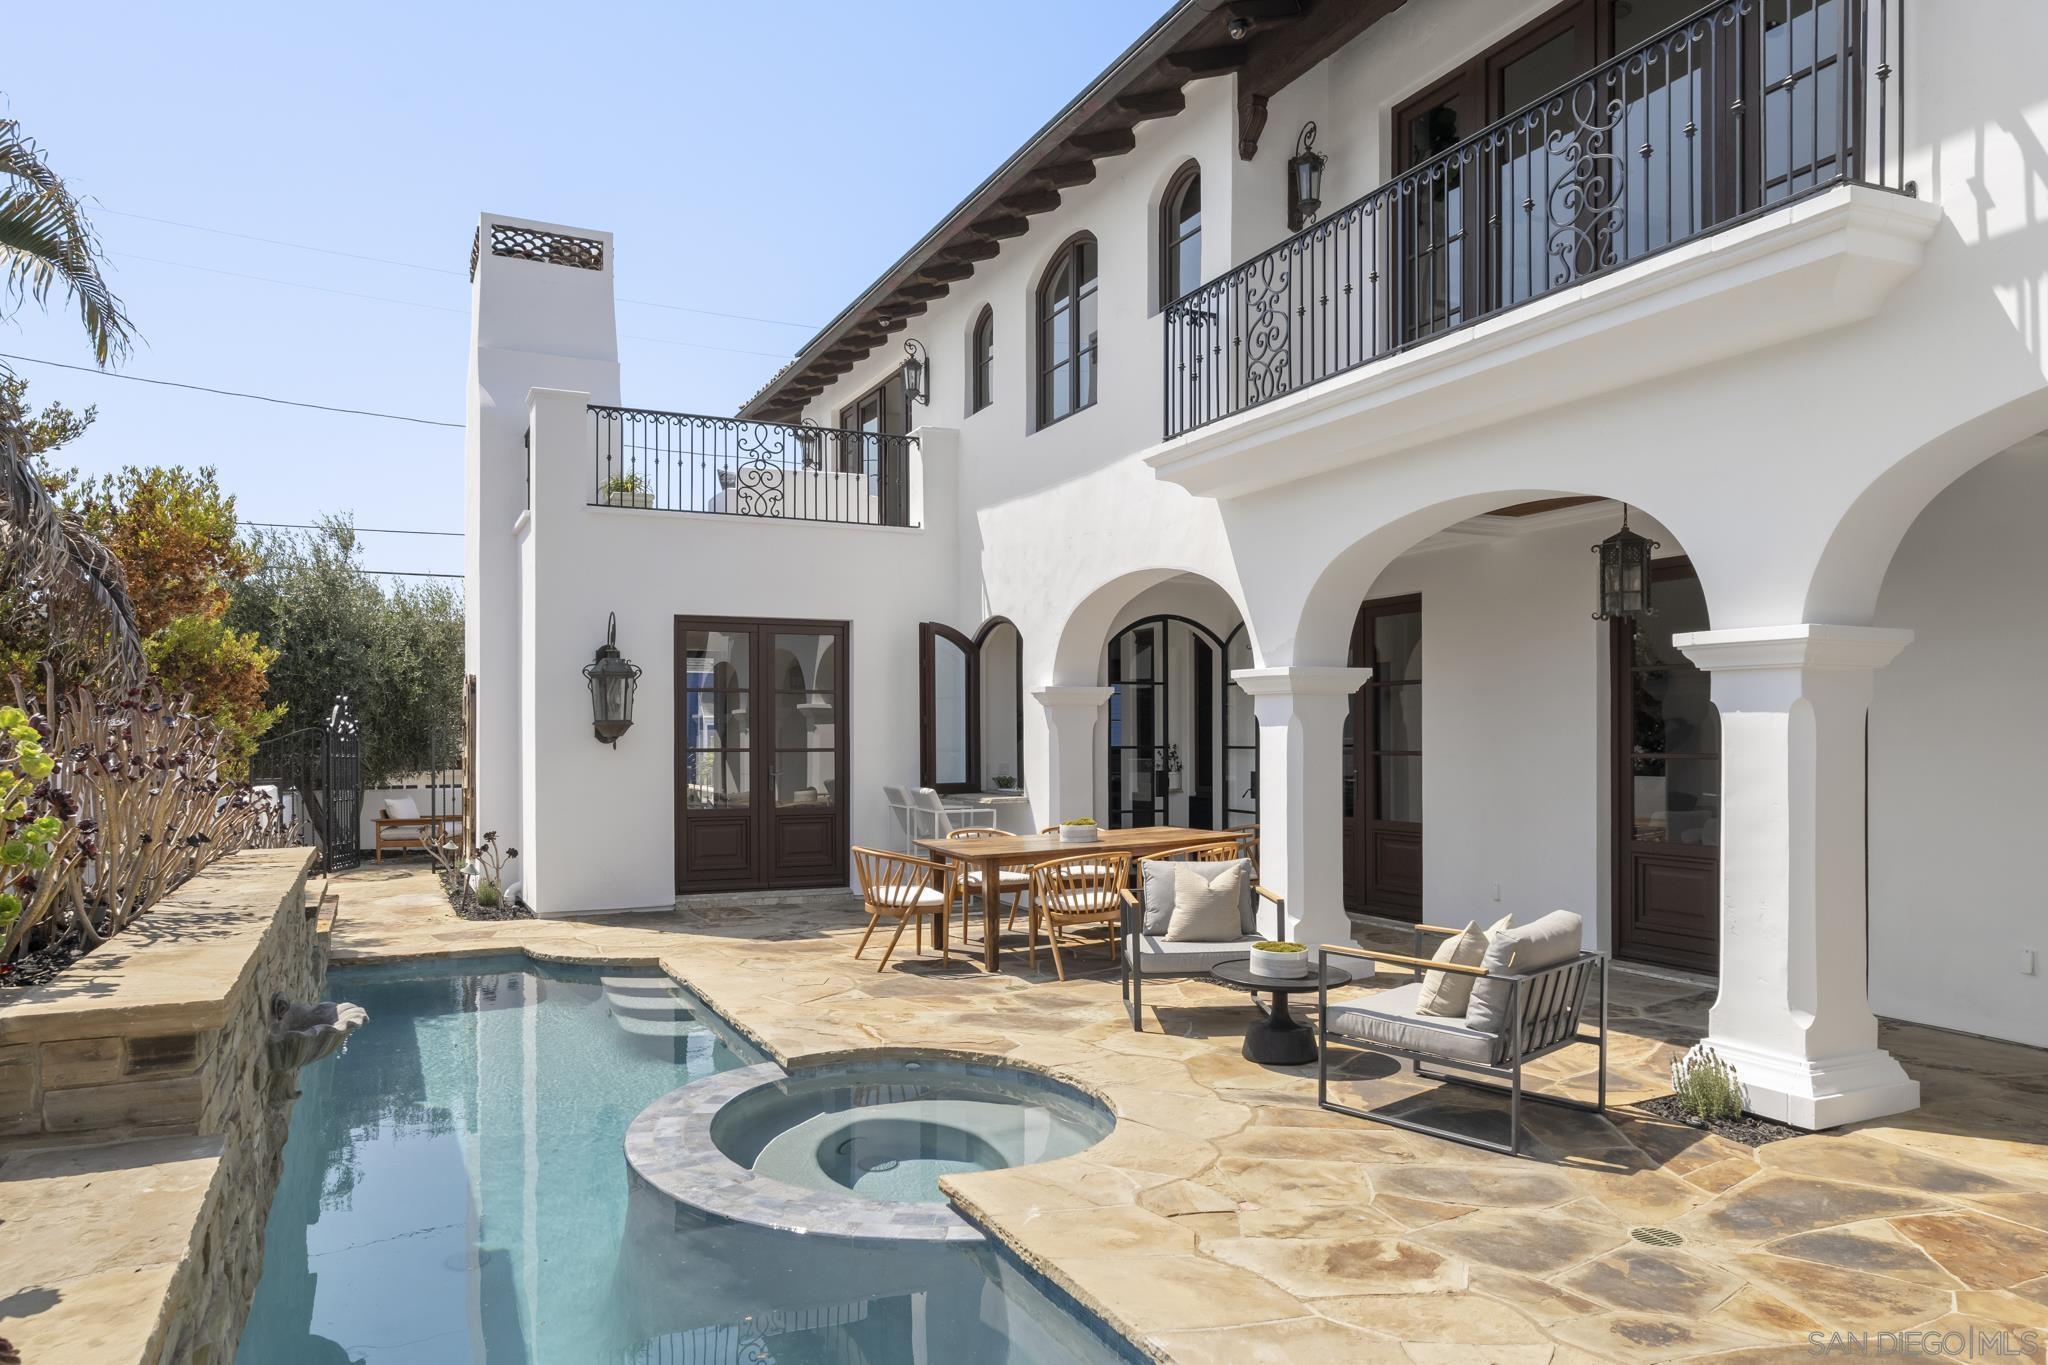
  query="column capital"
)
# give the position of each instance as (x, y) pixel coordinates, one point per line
(1306, 680)
(1061, 698)
(1811, 646)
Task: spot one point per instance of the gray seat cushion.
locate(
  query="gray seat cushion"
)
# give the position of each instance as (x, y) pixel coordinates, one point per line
(1389, 1019)
(1159, 956)
(1520, 950)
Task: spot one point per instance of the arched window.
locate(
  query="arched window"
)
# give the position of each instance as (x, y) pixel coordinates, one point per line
(1180, 235)
(981, 367)
(1066, 333)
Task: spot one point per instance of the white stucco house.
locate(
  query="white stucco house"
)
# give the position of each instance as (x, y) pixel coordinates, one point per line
(1203, 504)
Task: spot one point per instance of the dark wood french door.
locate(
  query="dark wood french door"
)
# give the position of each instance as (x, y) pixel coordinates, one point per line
(761, 739)
(1163, 724)
(1383, 763)
(1667, 785)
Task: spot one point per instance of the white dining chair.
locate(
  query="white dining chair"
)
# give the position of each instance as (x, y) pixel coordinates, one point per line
(906, 815)
(945, 819)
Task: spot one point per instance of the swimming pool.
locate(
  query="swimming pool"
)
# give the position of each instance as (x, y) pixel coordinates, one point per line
(455, 1188)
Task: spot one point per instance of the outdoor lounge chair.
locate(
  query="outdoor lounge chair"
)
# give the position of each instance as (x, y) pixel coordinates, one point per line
(1525, 1015)
(1153, 955)
(402, 829)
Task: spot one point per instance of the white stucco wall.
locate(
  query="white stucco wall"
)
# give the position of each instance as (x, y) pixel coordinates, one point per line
(1958, 746)
(1786, 469)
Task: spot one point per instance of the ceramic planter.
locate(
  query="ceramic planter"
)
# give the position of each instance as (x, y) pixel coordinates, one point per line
(1080, 834)
(1265, 962)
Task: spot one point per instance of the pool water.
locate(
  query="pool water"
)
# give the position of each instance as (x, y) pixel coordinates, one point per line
(455, 1188)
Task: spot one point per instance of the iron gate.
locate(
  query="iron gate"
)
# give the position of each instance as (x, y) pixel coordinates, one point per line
(318, 773)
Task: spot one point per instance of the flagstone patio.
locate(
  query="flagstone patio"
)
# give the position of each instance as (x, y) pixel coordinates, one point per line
(1229, 1219)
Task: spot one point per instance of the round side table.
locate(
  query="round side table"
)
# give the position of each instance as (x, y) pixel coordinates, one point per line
(1277, 1039)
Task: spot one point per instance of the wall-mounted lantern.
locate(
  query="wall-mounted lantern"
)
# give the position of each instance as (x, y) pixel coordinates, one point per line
(612, 678)
(1304, 179)
(917, 374)
(1624, 573)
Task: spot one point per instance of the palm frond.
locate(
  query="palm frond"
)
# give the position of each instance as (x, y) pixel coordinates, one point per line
(46, 242)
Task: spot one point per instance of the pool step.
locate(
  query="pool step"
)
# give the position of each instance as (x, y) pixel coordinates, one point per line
(679, 1027)
(637, 985)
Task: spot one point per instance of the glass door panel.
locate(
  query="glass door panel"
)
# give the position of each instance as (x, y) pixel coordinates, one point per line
(1667, 784)
(1383, 763)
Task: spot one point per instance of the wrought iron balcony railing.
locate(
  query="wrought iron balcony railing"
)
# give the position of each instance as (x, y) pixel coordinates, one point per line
(681, 462)
(1743, 107)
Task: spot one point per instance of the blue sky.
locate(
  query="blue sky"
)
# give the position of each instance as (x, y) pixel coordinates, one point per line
(760, 159)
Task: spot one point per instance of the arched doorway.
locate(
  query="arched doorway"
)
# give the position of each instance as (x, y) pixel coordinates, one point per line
(1166, 724)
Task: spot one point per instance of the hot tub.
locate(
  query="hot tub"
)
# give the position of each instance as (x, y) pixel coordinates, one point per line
(887, 1130)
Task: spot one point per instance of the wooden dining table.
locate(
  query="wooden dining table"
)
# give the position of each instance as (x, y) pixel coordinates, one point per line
(991, 855)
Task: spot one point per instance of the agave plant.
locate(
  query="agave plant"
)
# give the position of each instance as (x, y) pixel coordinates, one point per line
(46, 242)
(110, 802)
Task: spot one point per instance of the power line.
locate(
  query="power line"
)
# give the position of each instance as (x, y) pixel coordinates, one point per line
(229, 393)
(435, 269)
(430, 307)
(404, 573)
(367, 530)
(291, 284)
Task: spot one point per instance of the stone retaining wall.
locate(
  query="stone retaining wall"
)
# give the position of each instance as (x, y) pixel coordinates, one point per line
(161, 1032)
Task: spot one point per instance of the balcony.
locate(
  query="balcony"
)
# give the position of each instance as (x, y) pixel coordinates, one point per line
(723, 466)
(1738, 115)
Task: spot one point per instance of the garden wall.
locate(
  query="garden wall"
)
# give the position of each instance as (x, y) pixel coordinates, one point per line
(161, 1033)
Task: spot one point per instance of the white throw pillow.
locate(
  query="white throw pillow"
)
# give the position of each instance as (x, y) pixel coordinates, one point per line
(401, 808)
(1446, 994)
(1206, 910)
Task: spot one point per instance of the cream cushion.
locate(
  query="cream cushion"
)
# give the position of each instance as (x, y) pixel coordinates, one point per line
(1207, 908)
(1156, 893)
(1447, 994)
(906, 897)
(401, 808)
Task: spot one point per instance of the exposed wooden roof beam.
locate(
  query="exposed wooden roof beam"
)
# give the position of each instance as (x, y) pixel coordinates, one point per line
(944, 270)
(1065, 174)
(1207, 61)
(1110, 142)
(923, 289)
(1003, 225)
(1152, 103)
(972, 249)
(1032, 201)
(1282, 58)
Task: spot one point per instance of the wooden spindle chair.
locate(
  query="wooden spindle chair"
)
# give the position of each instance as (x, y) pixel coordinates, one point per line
(1070, 892)
(904, 888)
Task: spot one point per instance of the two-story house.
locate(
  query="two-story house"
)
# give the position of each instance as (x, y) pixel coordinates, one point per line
(1232, 456)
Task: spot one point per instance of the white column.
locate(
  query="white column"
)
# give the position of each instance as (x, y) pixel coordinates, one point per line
(1301, 714)
(1071, 716)
(1793, 1015)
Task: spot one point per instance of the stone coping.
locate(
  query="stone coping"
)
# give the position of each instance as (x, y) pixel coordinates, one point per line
(670, 1146)
(176, 967)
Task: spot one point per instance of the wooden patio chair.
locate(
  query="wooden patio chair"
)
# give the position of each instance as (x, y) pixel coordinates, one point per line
(1070, 892)
(1012, 882)
(905, 889)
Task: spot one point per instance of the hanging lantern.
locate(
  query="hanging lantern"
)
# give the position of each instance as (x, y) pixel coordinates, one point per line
(917, 374)
(612, 679)
(1624, 573)
(1304, 179)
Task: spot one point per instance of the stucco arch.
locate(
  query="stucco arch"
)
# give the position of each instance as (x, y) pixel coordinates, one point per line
(1085, 627)
(1318, 625)
(1852, 563)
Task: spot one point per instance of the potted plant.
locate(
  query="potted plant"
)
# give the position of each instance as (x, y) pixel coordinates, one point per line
(1004, 782)
(1080, 830)
(627, 490)
(1280, 959)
